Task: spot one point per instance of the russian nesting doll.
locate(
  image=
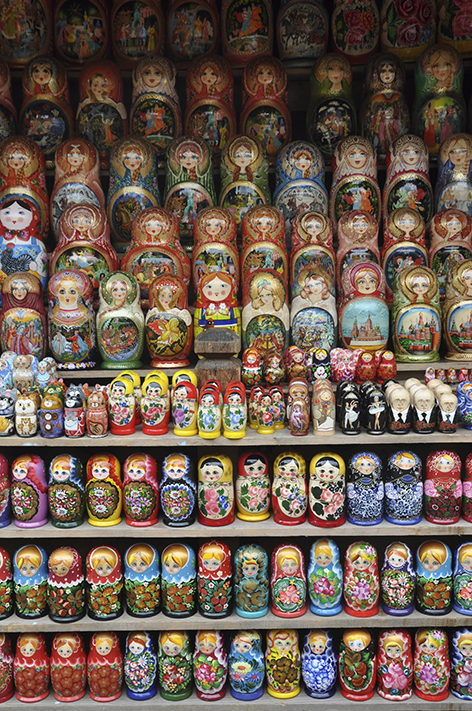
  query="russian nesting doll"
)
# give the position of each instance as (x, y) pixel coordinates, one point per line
(461, 666)
(214, 243)
(361, 580)
(263, 232)
(201, 38)
(168, 322)
(404, 244)
(355, 185)
(68, 667)
(451, 242)
(6, 589)
(23, 317)
(66, 491)
(51, 416)
(6, 668)
(326, 489)
(283, 664)
(251, 581)
(8, 114)
(74, 411)
(325, 578)
(104, 667)
(394, 665)
(80, 33)
(5, 498)
(155, 404)
(234, 413)
(456, 311)
(462, 579)
(216, 305)
(431, 665)
(288, 581)
(434, 578)
(178, 491)
(358, 233)
(215, 491)
(30, 575)
(209, 411)
(302, 32)
(140, 490)
(142, 580)
(136, 31)
(140, 666)
(246, 665)
(319, 665)
(265, 315)
(467, 490)
(246, 31)
(357, 665)
(210, 665)
(184, 408)
(253, 487)
(103, 490)
(289, 489)
(179, 581)
(66, 585)
(214, 584)
(356, 36)
(398, 580)
(96, 414)
(365, 489)
(104, 583)
(407, 182)
(395, 35)
(31, 668)
(120, 322)
(29, 491)
(175, 665)
(443, 487)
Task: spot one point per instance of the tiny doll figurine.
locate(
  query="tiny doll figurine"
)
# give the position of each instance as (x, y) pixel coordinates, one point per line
(255, 395)
(399, 411)
(178, 491)
(103, 490)
(251, 373)
(30, 575)
(357, 665)
(184, 408)
(122, 406)
(6, 667)
(175, 665)
(5, 491)
(394, 665)
(51, 416)
(246, 668)
(8, 400)
(273, 369)
(361, 580)
(443, 487)
(365, 489)
(168, 322)
(31, 668)
(214, 587)
(66, 585)
(448, 413)
(104, 583)
(325, 578)
(283, 664)
(326, 488)
(140, 490)
(403, 488)
(74, 411)
(209, 411)
(210, 665)
(252, 487)
(246, 35)
(434, 578)
(355, 185)
(28, 492)
(398, 580)
(66, 491)
(424, 411)
(179, 581)
(215, 491)
(23, 318)
(155, 404)
(319, 665)
(407, 182)
(350, 409)
(462, 578)
(431, 665)
(142, 580)
(251, 581)
(104, 667)
(140, 666)
(288, 581)
(265, 414)
(289, 489)
(96, 414)
(461, 664)
(235, 411)
(68, 667)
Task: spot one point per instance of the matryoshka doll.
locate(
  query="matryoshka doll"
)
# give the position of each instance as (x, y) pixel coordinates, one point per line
(209, 411)
(355, 185)
(302, 32)
(265, 317)
(103, 490)
(120, 322)
(404, 244)
(319, 665)
(215, 490)
(169, 325)
(451, 242)
(66, 585)
(31, 668)
(122, 406)
(101, 115)
(283, 664)
(175, 665)
(325, 578)
(21, 246)
(8, 113)
(104, 583)
(140, 666)
(215, 244)
(29, 500)
(66, 491)
(214, 585)
(361, 580)
(71, 320)
(178, 491)
(216, 305)
(136, 31)
(356, 37)
(80, 33)
(462, 579)
(365, 489)
(210, 655)
(289, 489)
(201, 38)
(331, 114)
(454, 184)
(358, 234)
(461, 666)
(179, 581)
(396, 36)
(51, 416)
(357, 665)
(140, 490)
(288, 581)
(68, 667)
(246, 31)
(403, 489)
(431, 665)
(30, 575)
(394, 665)
(184, 405)
(142, 580)
(407, 182)
(313, 316)
(246, 668)
(6, 590)
(456, 312)
(104, 667)
(443, 487)
(251, 581)
(234, 413)
(155, 404)
(23, 317)
(326, 489)
(467, 490)
(96, 413)
(398, 580)
(263, 245)
(434, 578)
(253, 487)
(6, 668)
(311, 246)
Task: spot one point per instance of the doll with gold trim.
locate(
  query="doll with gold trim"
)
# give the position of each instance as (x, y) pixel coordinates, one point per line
(357, 665)
(215, 490)
(283, 664)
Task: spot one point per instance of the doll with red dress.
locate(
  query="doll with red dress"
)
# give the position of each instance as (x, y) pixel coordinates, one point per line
(31, 668)
(68, 667)
(104, 667)
(6, 668)
(23, 317)
(361, 580)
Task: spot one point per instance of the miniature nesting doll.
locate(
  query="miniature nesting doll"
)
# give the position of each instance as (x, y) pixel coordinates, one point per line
(80, 33)
(365, 489)
(6, 591)
(394, 665)
(96, 414)
(122, 406)
(407, 182)
(283, 664)
(431, 665)
(454, 184)
(251, 371)
(251, 581)
(363, 313)
(179, 581)
(246, 31)
(215, 491)
(461, 666)
(462, 579)
(358, 241)
(451, 242)
(140, 666)
(214, 586)
(355, 185)
(175, 665)
(68, 667)
(467, 489)
(66, 491)
(66, 585)
(434, 578)
(443, 487)
(192, 31)
(361, 580)
(357, 665)
(326, 490)
(404, 244)
(142, 581)
(104, 667)
(302, 32)
(155, 404)
(456, 311)
(356, 36)
(184, 408)
(120, 322)
(51, 416)
(325, 578)
(288, 581)
(265, 316)
(234, 413)
(246, 668)
(31, 668)
(29, 491)
(103, 495)
(216, 304)
(136, 31)
(104, 583)
(23, 317)
(210, 665)
(403, 489)
(253, 487)
(178, 491)
(140, 490)
(6, 668)
(30, 576)
(398, 580)
(8, 114)
(101, 115)
(289, 489)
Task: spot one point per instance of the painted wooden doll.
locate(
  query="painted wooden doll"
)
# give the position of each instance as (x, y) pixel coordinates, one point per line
(178, 491)
(326, 490)
(265, 316)
(140, 666)
(246, 668)
(216, 304)
(80, 33)
(289, 489)
(214, 585)
(209, 411)
(361, 580)
(51, 416)
(66, 491)
(23, 317)
(355, 185)
(451, 242)
(184, 408)
(365, 489)
(71, 320)
(394, 665)
(136, 31)
(8, 114)
(29, 491)
(319, 665)
(31, 668)
(104, 583)
(358, 233)
(302, 32)
(363, 313)
(120, 322)
(30, 575)
(407, 182)
(187, 39)
(210, 665)
(253, 487)
(434, 578)
(246, 32)
(215, 491)
(325, 578)
(179, 581)
(416, 316)
(431, 665)
(155, 404)
(103, 490)
(8, 400)
(356, 37)
(395, 36)
(467, 482)
(312, 247)
(140, 490)
(313, 316)
(454, 184)
(122, 406)
(6, 668)
(234, 413)
(104, 667)
(6, 589)
(96, 415)
(283, 664)
(263, 247)
(403, 488)
(66, 585)
(461, 663)
(288, 581)
(68, 667)
(168, 322)
(251, 581)
(443, 487)
(142, 580)
(456, 311)
(101, 115)
(214, 244)
(357, 665)
(398, 580)
(462, 578)
(404, 244)
(175, 665)
(21, 246)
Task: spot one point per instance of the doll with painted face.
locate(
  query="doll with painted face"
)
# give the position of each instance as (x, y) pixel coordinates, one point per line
(461, 664)
(155, 404)
(364, 319)
(96, 414)
(404, 243)
(6, 587)
(210, 665)
(365, 489)
(407, 182)
(283, 664)
(454, 182)
(30, 575)
(355, 185)
(263, 244)
(104, 667)
(325, 578)
(209, 411)
(66, 491)
(246, 665)
(179, 581)
(451, 242)
(215, 491)
(434, 582)
(456, 310)
(424, 410)
(140, 490)
(265, 316)
(398, 580)
(168, 322)
(361, 580)
(29, 491)
(103, 490)
(6, 668)
(253, 487)
(357, 665)
(66, 585)
(8, 113)
(214, 244)
(326, 490)
(312, 246)
(31, 668)
(288, 581)
(23, 317)
(216, 305)
(175, 665)
(394, 665)
(251, 581)
(104, 583)
(462, 579)
(68, 667)
(140, 666)
(319, 665)
(178, 491)
(214, 584)
(289, 489)
(431, 665)
(443, 487)
(142, 580)
(358, 234)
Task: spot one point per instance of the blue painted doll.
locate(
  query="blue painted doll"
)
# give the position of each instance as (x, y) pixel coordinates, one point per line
(398, 580)
(140, 666)
(246, 667)
(433, 578)
(319, 665)
(461, 664)
(365, 489)
(325, 578)
(142, 579)
(404, 489)
(178, 490)
(179, 581)
(251, 581)
(463, 579)
(66, 491)
(30, 577)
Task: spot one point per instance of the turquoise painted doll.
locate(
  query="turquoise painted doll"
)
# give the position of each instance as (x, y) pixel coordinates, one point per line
(325, 578)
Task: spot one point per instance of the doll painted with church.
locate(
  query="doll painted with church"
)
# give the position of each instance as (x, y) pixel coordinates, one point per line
(457, 309)
(358, 235)
(404, 244)
(246, 669)
(325, 578)
(398, 580)
(355, 185)
(265, 315)
(251, 581)
(461, 664)
(142, 580)
(434, 581)
(454, 183)
(319, 664)
(407, 182)
(451, 242)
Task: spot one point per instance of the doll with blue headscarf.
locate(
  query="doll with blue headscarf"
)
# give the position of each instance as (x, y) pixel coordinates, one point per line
(142, 580)
(325, 578)
(140, 666)
(246, 667)
(30, 577)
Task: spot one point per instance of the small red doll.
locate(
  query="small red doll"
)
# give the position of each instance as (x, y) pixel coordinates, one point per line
(6, 585)
(394, 665)
(361, 580)
(66, 585)
(6, 668)
(31, 668)
(443, 487)
(105, 667)
(68, 667)
(140, 490)
(288, 581)
(386, 365)
(214, 585)
(104, 583)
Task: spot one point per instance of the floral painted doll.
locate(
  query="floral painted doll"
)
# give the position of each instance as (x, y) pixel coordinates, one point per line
(283, 664)
(394, 665)
(68, 667)
(103, 491)
(178, 491)
(6, 668)
(253, 487)
(184, 409)
(28, 491)
(104, 583)
(140, 490)
(210, 665)
(431, 665)
(215, 491)
(31, 668)
(142, 580)
(325, 578)
(251, 581)
(398, 580)
(319, 665)
(365, 489)
(6, 586)
(461, 667)
(463, 579)
(30, 575)
(403, 489)
(104, 667)
(326, 490)
(434, 578)
(175, 665)
(66, 585)
(361, 580)
(443, 487)
(140, 666)
(66, 491)
(155, 404)
(357, 665)
(214, 586)
(209, 412)
(288, 581)
(246, 668)
(216, 305)
(289, 489)
(179, 581)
